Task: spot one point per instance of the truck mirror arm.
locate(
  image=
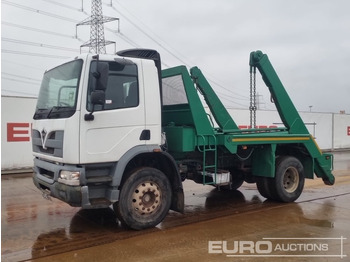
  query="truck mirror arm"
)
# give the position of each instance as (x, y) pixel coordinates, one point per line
(98, 97)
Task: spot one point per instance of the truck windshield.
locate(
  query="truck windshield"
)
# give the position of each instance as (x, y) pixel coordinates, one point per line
(58, 91)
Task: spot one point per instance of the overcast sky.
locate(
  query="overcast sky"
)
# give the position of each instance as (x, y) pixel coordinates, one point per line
(307, 41)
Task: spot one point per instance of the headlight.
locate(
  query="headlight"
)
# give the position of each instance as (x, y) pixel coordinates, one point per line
(69, 177)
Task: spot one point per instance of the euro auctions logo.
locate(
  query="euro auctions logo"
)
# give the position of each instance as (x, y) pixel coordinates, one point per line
(280, 247)
(240, 247)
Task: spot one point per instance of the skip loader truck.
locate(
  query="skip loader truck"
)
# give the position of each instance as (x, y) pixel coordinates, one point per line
(117, 130)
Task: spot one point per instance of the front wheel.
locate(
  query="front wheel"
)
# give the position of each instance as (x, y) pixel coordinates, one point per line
(144, 199)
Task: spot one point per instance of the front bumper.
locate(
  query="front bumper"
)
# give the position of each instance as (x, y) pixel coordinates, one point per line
(69, 194)
(46, 179)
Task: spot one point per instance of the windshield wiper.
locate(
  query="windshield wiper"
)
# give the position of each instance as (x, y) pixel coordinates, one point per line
(39, 112)
(55, 109)
(52, 108)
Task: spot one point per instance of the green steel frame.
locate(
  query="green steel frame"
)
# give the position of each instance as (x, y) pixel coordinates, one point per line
(189, 128)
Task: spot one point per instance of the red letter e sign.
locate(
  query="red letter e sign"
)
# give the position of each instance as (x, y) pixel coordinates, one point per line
(18, 132)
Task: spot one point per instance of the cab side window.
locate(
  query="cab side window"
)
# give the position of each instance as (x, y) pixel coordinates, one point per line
(122, 89)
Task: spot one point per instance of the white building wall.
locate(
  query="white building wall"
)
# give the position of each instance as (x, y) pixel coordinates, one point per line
(332, 131)
(320, 126)
(341, 136)
(16, 118)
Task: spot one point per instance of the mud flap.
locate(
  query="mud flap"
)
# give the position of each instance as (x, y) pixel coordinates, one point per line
(178, 201)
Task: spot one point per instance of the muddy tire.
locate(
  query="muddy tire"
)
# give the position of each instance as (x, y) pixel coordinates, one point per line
(288, 183)
(262, 183)
(144, 199)
(289, 179)
(236, 183)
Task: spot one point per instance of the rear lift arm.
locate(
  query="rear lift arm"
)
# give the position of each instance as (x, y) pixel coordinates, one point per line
(286, 109)
(290, 116)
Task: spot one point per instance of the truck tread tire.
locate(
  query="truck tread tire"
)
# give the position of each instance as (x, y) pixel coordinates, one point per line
(288, 183)
(263, 185)
(289, 179)
(144, 199)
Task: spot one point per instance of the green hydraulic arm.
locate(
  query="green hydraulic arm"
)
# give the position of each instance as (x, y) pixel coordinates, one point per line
(290, 116)
(288, 113)
(222, 117)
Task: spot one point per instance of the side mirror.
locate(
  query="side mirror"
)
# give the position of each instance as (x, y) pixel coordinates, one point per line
(99, 72)
(98, 97)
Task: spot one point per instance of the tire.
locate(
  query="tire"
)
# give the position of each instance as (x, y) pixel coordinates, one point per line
(289, 179)
(288, 183)
(144, 199)
(262, 183)
(236, 183)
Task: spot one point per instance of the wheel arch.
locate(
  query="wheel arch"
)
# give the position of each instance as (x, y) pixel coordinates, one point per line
(300, 152)
(151, 156)
(264, 159)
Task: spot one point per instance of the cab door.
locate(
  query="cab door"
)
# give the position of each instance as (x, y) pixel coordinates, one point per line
(118, 123)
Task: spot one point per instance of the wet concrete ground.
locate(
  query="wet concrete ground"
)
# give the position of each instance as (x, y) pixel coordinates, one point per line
(33, 228)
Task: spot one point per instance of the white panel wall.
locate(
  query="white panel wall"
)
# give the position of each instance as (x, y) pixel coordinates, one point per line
(341, 136)
(16, 117)
(320, 126)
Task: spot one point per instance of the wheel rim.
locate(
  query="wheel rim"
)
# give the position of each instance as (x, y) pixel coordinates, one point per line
(291, 179)
(146, 198)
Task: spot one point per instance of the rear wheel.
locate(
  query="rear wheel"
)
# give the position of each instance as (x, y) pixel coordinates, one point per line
(288, 183)
(144, 199)
(289, 179)
(262, 183)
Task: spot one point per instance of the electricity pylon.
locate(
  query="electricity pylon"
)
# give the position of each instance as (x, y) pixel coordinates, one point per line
(97, 43)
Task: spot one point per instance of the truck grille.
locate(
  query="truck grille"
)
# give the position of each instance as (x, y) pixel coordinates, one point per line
(53, 145)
